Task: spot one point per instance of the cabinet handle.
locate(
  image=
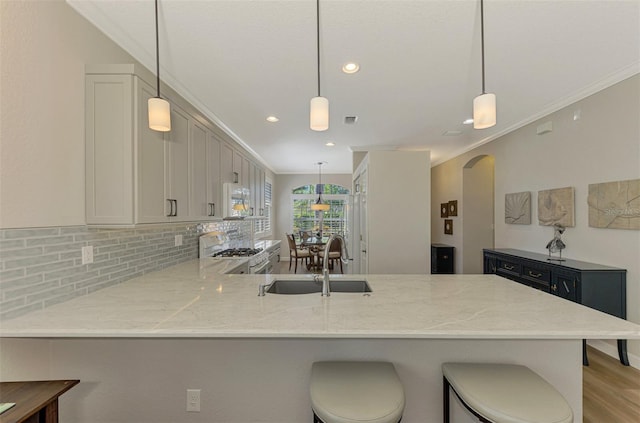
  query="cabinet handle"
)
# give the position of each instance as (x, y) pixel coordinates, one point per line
(176, 210)
(235, 177)
(250, 211)
(506, 266)
(212, 209)
(170, 207)
(565, 285)
(554, 288)
(535, 275)
(261, 212)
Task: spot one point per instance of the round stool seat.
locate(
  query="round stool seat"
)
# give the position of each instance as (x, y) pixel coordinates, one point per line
(506, 393)
(356, 392)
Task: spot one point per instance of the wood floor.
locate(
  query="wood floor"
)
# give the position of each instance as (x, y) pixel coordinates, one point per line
(611, 391)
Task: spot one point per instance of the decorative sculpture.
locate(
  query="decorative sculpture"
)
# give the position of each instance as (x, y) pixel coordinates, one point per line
(556, 245)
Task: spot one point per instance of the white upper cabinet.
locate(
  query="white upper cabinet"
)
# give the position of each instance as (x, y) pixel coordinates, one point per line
(135, 175)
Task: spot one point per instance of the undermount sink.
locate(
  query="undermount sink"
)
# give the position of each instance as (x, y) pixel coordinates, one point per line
(308, 286)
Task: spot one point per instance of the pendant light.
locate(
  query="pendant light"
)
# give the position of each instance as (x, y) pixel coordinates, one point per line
(319, 110)
(159, 108)
(319, 205)
(484, 105)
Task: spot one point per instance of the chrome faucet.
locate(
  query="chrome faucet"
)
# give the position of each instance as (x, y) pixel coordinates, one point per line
(344, 256)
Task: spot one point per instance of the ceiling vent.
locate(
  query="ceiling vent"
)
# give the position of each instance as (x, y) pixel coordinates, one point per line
(350, 120)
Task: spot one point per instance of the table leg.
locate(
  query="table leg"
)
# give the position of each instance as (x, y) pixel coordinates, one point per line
(622, 351)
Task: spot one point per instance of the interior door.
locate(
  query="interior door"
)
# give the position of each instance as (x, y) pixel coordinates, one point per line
(364, 260)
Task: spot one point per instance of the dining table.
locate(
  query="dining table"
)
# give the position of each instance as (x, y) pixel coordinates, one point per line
(315, 244)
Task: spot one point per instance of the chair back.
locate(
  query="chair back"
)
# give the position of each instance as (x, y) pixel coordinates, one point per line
(291, 241)
(336, 245)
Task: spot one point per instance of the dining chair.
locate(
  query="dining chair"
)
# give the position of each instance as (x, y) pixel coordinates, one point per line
(296, 253)
(335, 254)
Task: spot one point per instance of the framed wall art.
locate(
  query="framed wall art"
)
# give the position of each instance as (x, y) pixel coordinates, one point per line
(448, 226)
(556, 207)
(453, 208)
(615, 205)
(444, 210)
(517, 208)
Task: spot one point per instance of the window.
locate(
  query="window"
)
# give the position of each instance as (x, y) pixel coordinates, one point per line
(333, 221)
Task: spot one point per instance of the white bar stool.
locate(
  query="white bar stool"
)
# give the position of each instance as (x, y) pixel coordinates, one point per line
(356, 392)
(504, 393)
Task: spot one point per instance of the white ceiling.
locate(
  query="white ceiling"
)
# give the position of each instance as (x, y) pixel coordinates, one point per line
(242, 60)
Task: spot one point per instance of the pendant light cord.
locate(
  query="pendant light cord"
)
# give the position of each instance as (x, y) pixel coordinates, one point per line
(482, 40)
(317, 40)
(157, 54)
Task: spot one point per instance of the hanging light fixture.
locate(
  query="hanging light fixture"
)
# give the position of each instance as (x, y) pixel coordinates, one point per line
(159, 108)
(319, 205)
(484, 105)
(319, 110)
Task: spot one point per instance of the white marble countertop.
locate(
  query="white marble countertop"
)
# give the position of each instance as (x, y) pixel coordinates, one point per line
(193, 300)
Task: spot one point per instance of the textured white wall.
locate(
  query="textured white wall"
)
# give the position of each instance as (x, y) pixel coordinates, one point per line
(602, 146)
(44, 48)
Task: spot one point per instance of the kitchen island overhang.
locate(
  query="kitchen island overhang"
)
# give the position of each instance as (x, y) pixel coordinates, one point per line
(215, 333)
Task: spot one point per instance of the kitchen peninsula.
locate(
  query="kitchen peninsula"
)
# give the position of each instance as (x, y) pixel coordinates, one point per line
(188, 327)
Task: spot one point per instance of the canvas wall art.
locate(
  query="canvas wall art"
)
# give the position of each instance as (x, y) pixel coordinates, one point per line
(615, 205)
(517, 208)
(556, 206)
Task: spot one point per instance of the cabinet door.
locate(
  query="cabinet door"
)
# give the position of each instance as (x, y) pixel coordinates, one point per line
(237, 168)
(177, 147)
(226, 163)
(214, 206)
(253, 188)
(198, 181)
(564, 285)
(108, 149)
(246, 177)
(261, 189)
(151, 194)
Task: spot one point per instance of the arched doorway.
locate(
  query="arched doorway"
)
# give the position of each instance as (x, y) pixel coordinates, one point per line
(477, 211)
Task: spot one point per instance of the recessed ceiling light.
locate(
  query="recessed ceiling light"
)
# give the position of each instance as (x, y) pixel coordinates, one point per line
(468, 121)
(330, 144)
(350, 67)
(272, 119)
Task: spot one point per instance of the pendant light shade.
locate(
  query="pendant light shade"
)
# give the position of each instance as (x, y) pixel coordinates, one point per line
(319, 205)
(319, 107)
(319, 116)
(484, 111)
(159, 114)
(159, 108)
(484, 105)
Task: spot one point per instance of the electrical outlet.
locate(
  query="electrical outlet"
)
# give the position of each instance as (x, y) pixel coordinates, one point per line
(178, 240)
(193, 400)
(87, 254)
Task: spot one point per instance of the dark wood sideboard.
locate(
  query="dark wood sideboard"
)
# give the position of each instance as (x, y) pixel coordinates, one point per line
(603, 288)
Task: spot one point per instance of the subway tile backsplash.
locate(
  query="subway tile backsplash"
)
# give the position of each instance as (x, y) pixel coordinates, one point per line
(40, 267)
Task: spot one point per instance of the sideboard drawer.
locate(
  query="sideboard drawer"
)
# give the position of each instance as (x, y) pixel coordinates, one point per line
(507, 267)
(540, 278)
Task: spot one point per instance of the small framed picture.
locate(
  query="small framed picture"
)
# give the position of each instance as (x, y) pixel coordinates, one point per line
(444, 210)
(448, 226)
(453, 208)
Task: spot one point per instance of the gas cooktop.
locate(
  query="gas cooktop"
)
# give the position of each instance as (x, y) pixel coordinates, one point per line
(238, 252)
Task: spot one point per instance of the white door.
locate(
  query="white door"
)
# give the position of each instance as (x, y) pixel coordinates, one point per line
(364, 261)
